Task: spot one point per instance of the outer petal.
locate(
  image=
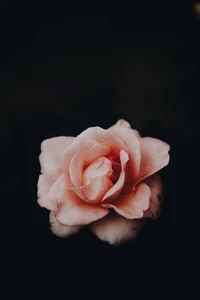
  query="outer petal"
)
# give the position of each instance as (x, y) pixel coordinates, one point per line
(122, 123)
(157, 194)
(131, 206)
(52, 152)
(118, 186)
(46, 180)
(155, 156)
(103, 136)
(116, 229)
(133, 145)
(61, 230)
(125, 124)
(72, 211)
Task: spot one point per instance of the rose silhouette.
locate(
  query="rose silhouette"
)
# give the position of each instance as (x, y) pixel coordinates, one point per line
(102, 178)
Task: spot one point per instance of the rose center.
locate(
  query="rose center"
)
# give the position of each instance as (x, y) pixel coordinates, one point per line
(116, 167)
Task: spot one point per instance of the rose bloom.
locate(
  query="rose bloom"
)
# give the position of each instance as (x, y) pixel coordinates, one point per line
(102, 178)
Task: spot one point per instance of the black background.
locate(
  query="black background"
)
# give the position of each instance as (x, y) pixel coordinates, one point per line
(65, 69)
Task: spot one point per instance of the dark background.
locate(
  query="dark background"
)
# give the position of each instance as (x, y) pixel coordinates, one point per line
(65, 69)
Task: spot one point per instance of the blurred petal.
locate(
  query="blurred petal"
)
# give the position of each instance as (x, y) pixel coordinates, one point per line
(61, 230)
(118, 186)
(116, 229)
(132, 206)
(46, 180)
(157, 194)
(52, 152)
(155, 156)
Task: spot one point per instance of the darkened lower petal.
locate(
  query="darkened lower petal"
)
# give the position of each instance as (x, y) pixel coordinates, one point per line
(116, 229)
(61, 230)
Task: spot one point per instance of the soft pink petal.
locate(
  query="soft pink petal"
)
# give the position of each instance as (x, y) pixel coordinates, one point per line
(96, 188)
(103, 136)
(45, 182)
(133, 145)
(155, 156)
(58, 190)
(87, 154)
(100, 167)
(125, 124)
(116, 229)
(118, 186)
(52, 152)
(132, 206)
(74, 149)
(76, 212)
(121, 123)
(157, 194)
(72, 211)
(61, 230)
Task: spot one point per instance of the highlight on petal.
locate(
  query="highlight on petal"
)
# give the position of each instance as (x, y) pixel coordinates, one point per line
(52, 152)
(157, 194)
(115, 229)
(46, 180)
(61, 230)
(132, 143)
(100, 167)
(132, 205)
(155, 156)
(96, 188)
(118, 186)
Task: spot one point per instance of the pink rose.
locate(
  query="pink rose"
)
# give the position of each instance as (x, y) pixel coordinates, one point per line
(103, 178)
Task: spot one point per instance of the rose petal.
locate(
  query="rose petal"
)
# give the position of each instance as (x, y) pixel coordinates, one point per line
(125, 124)
(155, 156)
(100, 167)
(46, 180)
(52, 152)
(96, 188)
(103, 136)
(118, 186)
(121, 123)
(72, 211)
(72, 151)
(88, 152)
(58, 190)
(75, 212)
(156, 199)
(61, 230)
(133, 145)
(132, 206)
(116, 229)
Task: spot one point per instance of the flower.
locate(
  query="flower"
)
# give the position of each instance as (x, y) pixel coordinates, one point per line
(106, 179)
